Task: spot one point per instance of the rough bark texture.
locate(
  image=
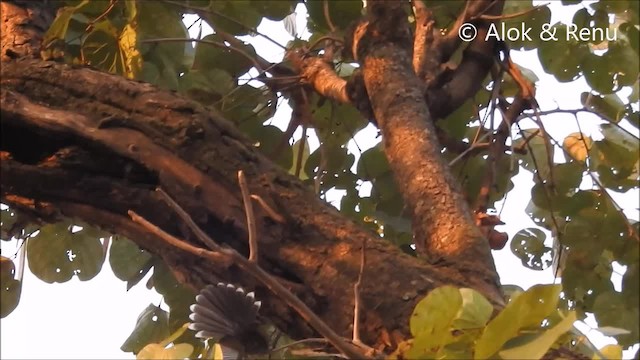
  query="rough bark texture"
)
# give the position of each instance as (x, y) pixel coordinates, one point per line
(443, 229)
(80, 143)
(85, 144)
(22, 28)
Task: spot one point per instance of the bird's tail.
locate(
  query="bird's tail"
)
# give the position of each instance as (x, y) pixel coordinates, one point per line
(223, 310)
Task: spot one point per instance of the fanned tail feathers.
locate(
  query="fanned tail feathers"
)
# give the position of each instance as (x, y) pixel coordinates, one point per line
(223, 310)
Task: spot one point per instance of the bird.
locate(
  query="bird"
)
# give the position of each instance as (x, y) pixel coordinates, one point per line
(228, 315)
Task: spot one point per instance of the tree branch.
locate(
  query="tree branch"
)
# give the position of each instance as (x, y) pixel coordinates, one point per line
(444, 231)
(133, 147)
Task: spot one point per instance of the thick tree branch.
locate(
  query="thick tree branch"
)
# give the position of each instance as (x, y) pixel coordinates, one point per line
(444, 231)
(23, 26)
(446, 94)
(137, 138)
(322, 76)
(423, 62)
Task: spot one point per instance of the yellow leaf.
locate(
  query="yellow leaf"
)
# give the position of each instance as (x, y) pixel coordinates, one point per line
(131, 57)
(577, 146)
(157, 351)
(610, 352)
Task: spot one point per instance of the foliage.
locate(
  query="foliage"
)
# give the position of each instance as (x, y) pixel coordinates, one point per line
(452, 323)
(589, 232)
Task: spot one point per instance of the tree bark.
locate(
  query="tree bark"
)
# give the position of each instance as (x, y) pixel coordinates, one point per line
(443, 229)
(89, 145)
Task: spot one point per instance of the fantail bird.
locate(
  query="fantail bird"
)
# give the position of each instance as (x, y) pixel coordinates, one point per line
(228, 315)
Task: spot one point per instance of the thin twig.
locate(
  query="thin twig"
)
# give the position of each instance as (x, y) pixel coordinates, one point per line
(221, 256)
(311, 354)
(356, 294)
(510, 16)
(298, 342)
(471, 148)
(307, 117)
(574, 112)
(327, 17)
(268, 209)
(106, 12)
(22, 254)
(190, 223)
(303, 141)
(325, 38)
(495, 152)
(251, 220)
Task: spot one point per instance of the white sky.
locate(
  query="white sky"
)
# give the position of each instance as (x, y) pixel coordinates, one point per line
(92, 319)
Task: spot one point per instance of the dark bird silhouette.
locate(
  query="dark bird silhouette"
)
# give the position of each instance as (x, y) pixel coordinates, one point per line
(228, 315)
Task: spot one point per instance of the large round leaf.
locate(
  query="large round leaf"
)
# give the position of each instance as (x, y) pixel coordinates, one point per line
(57, 253)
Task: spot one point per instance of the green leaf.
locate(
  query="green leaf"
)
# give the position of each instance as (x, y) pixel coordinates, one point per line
(206, 86)
(10, 288)
(274, 10)
(336, 123)
(176, 295)
(436, 311)
(432, 319)
(157, 20)
(609, 107)
(7, 220)
(476, 310)
(152, 326)
(60, 25)
(209, 56)
(268, 139)
(386, 195)
(598, 73)
(568, 177)
(530, 19)
(616, 158)
(536, 348)
(526, 310)
(563, 59)
(624, 62)
(100, 48)
(373, 163)
(127, 260)
(537, 157)
(620, 137)
(610, 309)
(248, 106)
(237, 17)
(528, 246)
(341, 13)
(56, 253)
